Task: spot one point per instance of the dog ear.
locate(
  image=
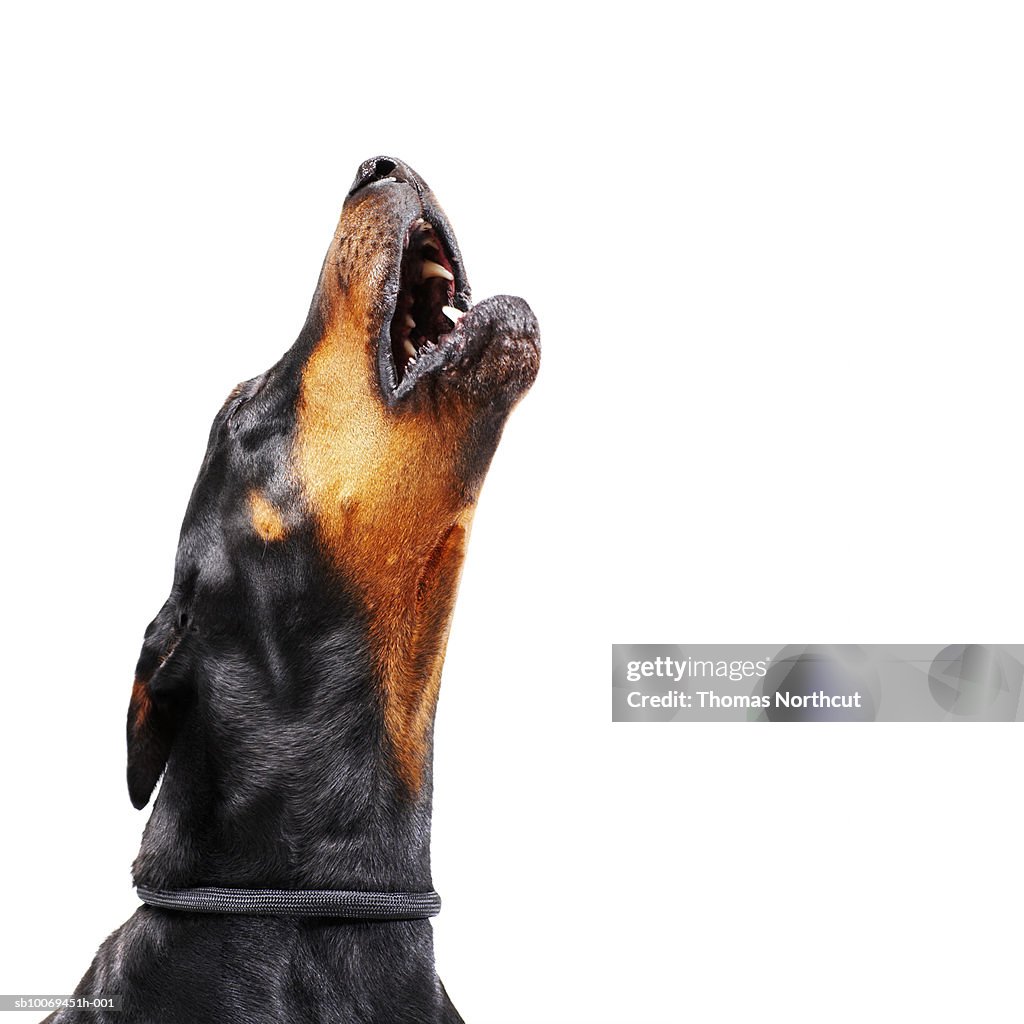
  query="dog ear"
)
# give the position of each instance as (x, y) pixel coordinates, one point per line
(160, 694)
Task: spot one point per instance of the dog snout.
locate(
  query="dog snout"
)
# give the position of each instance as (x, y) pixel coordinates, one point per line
(382, 168)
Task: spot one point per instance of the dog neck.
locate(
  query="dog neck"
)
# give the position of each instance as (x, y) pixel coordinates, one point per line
(286, 778)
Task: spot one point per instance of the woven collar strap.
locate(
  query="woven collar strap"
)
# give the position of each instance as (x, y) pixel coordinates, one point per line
(358, 906)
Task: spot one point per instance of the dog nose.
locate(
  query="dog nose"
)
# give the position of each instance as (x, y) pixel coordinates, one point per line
(380, 168)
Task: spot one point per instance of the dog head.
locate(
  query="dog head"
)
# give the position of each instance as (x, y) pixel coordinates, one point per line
(325, 536)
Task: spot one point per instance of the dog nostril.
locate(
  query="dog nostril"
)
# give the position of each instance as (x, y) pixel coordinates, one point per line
(375, 169)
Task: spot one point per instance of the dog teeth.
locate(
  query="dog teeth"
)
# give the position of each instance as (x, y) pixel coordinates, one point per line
(410, 348)
(432, 269)
(453, 314)
(409, 322)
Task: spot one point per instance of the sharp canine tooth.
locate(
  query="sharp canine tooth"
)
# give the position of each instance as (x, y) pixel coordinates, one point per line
(453, 314)
(410, 348)
(409, 322)
(432, 269)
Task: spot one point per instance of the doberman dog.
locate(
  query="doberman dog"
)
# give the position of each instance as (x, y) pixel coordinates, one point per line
(286, 690)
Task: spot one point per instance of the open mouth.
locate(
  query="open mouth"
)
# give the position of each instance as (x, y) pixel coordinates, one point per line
(425, 317)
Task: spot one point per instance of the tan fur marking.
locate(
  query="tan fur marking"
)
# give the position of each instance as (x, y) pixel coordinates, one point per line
(267, 521)
(393, 517)
(141, 702)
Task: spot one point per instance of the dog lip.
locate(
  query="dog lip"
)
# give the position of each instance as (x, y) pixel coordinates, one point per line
(490, 356)
(431, 357)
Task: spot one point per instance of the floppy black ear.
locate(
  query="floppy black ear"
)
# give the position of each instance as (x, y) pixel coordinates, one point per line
(160, 695)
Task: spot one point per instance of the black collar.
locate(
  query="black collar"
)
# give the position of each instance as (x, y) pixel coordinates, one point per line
(357, 906)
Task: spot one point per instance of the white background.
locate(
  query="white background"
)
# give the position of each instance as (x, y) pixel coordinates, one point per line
(776, 253)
